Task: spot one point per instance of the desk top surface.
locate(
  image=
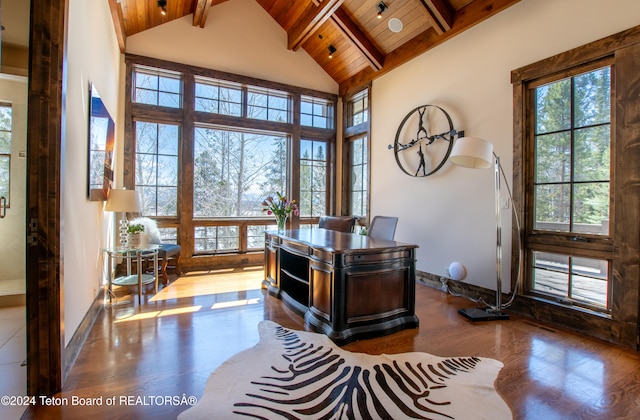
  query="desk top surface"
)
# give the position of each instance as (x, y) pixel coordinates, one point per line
(337, 241)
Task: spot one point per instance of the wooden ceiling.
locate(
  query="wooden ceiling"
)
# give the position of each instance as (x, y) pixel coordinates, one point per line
(365, 46)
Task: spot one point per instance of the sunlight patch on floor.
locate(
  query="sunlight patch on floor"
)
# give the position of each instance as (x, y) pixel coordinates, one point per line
(232, 304)
(211, 283)
(156, 314)
(227, 288)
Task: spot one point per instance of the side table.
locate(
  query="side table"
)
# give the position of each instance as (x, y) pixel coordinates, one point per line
(138, 279)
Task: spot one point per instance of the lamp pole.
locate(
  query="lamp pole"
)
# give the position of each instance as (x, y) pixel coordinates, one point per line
(476, 153)
(496, 168)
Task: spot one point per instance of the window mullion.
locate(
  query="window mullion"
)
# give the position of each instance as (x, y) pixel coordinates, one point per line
(185, 152)
(245, 102)
(572, 158)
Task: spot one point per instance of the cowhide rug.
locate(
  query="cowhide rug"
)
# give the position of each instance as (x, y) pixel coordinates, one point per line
(296, 374)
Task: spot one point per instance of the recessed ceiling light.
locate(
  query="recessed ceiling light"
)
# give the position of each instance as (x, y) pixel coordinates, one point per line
(395, 25)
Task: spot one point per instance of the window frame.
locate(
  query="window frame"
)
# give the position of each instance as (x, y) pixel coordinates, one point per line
(330, 110)
(353, 132)
(567, 243)
(622, 247)
(159, 73)
(366, 168)
(571, 243)
(311, 218)
(156, 186)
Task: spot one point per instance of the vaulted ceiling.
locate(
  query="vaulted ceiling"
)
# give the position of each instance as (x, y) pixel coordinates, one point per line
(363, 45)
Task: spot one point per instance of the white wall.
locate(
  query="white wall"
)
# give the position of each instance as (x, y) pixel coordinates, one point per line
(13, 89)
(450, 214)
(239, 37)
(92, 57)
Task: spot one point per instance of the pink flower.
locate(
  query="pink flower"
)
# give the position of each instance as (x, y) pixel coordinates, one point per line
(280, 207)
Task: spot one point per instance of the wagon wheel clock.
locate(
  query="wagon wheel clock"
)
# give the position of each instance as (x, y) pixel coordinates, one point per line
(424, 140)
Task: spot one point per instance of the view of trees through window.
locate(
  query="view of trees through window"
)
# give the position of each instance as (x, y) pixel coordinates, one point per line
(157, 167)
(573, 153)
(235, 170)
(218, 97)
(313, 178)
(359, 176)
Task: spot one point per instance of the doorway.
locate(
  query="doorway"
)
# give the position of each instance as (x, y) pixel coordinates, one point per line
(14, 59)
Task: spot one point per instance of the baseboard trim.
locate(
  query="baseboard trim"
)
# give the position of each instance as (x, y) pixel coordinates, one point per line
(72, 350)
(458, 288)
(7, 301)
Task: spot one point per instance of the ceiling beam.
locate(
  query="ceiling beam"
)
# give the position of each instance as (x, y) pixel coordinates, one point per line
(465, 18)
(118, 24)
(200, 12)
(440, 15)
(373, 55)
(312, 18)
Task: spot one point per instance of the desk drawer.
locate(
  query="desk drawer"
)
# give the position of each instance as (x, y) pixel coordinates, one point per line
(368, 258)
(295, 247)
(322, 256)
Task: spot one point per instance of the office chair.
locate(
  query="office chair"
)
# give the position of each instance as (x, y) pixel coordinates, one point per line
(339, 223)
(383, 227)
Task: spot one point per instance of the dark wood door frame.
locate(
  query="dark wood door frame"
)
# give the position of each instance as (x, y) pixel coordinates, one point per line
(45, 126)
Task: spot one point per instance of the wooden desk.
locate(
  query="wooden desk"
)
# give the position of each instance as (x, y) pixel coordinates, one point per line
(346, 286)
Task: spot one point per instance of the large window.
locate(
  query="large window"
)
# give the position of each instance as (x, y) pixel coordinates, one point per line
(210, 147)
(571, 183)
(5, 150)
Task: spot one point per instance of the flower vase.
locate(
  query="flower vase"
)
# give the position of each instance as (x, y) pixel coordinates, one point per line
(135, 240)
(282, 222)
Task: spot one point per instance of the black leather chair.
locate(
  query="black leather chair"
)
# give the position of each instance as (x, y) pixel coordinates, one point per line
(339, 223)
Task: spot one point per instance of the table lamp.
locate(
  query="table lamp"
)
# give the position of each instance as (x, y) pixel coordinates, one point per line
(475, 153)
(123, 201)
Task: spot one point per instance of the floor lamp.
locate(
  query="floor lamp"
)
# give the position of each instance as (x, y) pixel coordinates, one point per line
(123, 201)
(471, 152)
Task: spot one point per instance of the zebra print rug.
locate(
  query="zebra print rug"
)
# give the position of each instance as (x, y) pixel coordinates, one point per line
(296, 374)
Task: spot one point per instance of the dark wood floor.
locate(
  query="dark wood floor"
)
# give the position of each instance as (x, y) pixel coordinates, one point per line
(170, 344)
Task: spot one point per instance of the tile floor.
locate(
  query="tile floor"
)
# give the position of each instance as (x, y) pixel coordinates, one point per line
(13, 352)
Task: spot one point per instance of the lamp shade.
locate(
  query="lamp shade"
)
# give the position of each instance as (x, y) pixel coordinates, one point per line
(472, 152)
(123, 200)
